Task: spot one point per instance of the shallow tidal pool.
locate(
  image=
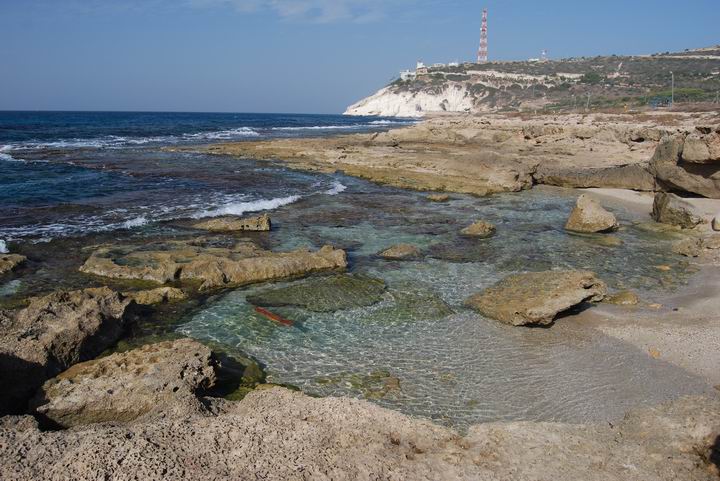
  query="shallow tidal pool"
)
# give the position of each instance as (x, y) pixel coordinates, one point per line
(417, 349)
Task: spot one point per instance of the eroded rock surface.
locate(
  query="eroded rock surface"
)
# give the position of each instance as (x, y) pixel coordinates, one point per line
(325, 294)
(276, 434)
(50, 335)
(215, 267)
(125, 386)
(156, 296)
(438, 197)
(536, 298)
(236, 224)
(9, 262)
(401, 252)
(481, 230)
(671, 209)
(674, 171)
(590, 217)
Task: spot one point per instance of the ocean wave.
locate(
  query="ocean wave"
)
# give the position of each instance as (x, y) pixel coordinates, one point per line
(224, 134)
(136, 222)
(9, 158)
(3, 247)
(337, 188)
(240, 208)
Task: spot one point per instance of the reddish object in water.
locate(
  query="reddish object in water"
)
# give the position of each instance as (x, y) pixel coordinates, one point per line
(273, 317)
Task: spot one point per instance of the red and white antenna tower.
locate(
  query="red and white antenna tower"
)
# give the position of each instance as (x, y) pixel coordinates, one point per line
(483, 52)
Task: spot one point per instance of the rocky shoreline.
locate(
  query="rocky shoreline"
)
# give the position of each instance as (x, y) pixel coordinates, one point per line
(76, 407)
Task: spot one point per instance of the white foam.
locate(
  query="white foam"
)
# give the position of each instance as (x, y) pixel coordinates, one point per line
(136, 222)
(240, 208)
(336, 189)
(224, 134)
(3, 247)
(9, 158)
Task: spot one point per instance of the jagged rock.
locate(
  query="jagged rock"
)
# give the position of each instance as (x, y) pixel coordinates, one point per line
(215, 267)
(326, 294)
(674, 174)
(633, 177)
(236, 224)
(623, 298)
(479, 229)
(8, 262)
(535, 298)
(161, 377)
(156, 296)
(50, 335)
(438, 197)
(401, 252)
(276, 434)
(588, 216)
(671, 209)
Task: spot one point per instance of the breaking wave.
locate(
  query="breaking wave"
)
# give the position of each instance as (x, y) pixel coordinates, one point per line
(240, 208)
(3, 247)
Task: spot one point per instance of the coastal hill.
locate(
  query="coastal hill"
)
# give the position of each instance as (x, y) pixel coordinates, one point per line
(550, 85)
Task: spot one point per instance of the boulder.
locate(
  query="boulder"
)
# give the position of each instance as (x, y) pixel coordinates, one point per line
(479, 229)
(536, 298)
(589, 217)
(401, 252)
(156, 296)
(438, 197)
(671, 209)
(702, 149)
(236, 224)
(122, 387)
(696, 246)
(50, 335)
(214, 267)
(9, 262)
(674, 173)
(325, 294)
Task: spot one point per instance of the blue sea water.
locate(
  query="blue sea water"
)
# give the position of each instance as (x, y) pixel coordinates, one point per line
(72, 173)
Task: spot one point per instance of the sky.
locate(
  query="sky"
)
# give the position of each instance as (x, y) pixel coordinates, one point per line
(298, 56)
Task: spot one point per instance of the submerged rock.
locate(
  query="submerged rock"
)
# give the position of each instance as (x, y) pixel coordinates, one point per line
(156, 296)
(623, 298)
(161, 377)
(671, 209)
(535, 298)
(479, 229)
(438, 197)
(215, 267)
(326, 294)
(590, 217)
(412, 303)
(9, 262)
(50, 335)
(401, 252)
(236, 224)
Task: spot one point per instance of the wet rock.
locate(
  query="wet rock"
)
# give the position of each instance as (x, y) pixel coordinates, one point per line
(9, 262)
(688, 247)
(589, 217)
(671, 209)
(623, 298)
(536, 298)
(350, 438)
(401, 252)
(412, 303)
(156, 296)
(438, 197)
(325, 294)
(481, 230)
(236, 224)
(161, 377)
(214, 267)
(50, 335)
(377, 384)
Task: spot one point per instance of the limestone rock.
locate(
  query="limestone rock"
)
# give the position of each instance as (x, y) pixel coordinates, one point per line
(276, 434)
(325, 294)
(588, 216)
(702, 149)
(50, 335)
(716, 223)
(161, 377)
(633, 176)
(215, 267)
(156, 296)
(235, 224)
(8, 262)
(673, 174)
(479, 229)
(438, 197)
(688, 247)
(623, 298)
(401, 252)
(535, 298)
(671, 209)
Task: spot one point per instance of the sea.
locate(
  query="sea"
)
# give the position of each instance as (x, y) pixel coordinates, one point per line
(70, 181)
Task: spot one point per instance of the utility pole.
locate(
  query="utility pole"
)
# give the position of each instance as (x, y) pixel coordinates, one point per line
(587, 106)
(672, 90)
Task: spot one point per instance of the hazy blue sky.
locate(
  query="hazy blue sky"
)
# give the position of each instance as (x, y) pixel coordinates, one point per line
(297, 55)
